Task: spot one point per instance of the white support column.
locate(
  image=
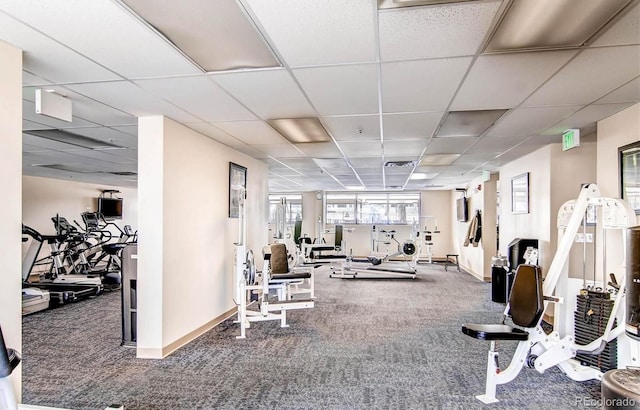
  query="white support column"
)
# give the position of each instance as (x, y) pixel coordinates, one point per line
(151, 237)
(11, 204)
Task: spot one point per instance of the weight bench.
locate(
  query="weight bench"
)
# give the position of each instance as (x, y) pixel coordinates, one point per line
(9, 360)
(526, 305)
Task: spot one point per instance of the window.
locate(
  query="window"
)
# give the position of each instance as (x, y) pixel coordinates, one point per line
(341, 209)
(373, 208)
(292, 208)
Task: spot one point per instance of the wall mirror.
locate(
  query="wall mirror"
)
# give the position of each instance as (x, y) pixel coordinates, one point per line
(630, 174)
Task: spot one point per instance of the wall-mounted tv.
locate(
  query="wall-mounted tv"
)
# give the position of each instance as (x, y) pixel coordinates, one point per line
(110, 208)
(461, 209)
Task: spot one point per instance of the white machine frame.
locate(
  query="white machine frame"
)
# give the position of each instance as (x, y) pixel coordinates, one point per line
(245, 286)
(559, 348)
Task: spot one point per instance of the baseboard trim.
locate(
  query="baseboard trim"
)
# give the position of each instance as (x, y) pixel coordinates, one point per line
(157, 353)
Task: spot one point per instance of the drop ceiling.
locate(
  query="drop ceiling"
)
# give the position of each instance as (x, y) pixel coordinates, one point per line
(381, 80)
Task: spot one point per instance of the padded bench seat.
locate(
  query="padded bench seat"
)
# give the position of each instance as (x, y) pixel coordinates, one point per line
(290, 276)
(494, 332)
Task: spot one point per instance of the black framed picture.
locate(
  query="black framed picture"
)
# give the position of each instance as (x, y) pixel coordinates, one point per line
(520, 194)
(237, 188)
(629, 164)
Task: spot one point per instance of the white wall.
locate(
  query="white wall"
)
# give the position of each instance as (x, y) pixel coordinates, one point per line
(187, 273)
(481, 196)
(537, 223)
(43, 198)
(10, 229)
(614, 132)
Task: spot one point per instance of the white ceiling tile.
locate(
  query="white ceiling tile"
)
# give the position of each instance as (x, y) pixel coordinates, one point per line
(426, 85)
(364, 162)
(300, 163)
(30, 125)
(48, 144)
(494, 145)
(320, 149)
(432, 32)
(505, 80)
(31, 79)
(198, 96)
(529, 121)
(357, 149)
(629, 92)
(341, 89)
(86, 108)
(133, 50)
(252, 132)
(127, 129)
(268, 93)
(624, 31)
(410, 126)
(354, 128)
(586, 117)
(209, 130)
(474, 159)
(42, 56)
(450, 145)
(138, 102)
(29, 114)
(404, 147)
(279, 150)
(310, 32)
(592, 74)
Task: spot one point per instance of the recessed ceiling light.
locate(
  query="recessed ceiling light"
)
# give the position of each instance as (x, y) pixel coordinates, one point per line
(552, 24)
(300, 130)
(420, 176)
(216, 35)
(392, 4)
(439, 159)
(468, 123)
(355, 187)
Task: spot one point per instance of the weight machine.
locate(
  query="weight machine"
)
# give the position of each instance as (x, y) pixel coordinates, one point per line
(530, 296)
(252, 287)
(425, 245)
(375, 267)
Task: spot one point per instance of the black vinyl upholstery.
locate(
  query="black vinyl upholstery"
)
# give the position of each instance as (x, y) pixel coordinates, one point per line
(526, 305)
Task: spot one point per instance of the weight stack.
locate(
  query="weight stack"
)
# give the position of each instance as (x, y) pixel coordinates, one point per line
(588, 327)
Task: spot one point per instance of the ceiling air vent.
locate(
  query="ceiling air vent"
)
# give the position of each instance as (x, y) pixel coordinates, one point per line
(394, 164)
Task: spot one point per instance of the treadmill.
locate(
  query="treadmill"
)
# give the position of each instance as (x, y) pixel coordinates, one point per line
(34, 299)
(64, 288)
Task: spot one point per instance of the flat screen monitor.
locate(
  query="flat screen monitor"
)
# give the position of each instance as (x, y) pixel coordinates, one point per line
(110, 208)
(461, 209)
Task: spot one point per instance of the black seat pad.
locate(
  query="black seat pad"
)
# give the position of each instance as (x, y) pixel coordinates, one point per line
(290, 276)
(494, 332)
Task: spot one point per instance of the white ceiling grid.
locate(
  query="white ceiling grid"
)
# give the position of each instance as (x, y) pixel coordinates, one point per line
(381, 82)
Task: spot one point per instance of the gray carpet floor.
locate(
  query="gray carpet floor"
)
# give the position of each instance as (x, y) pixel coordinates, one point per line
(368, 344)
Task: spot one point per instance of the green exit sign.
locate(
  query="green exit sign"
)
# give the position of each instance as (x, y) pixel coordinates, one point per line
(570, 139)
